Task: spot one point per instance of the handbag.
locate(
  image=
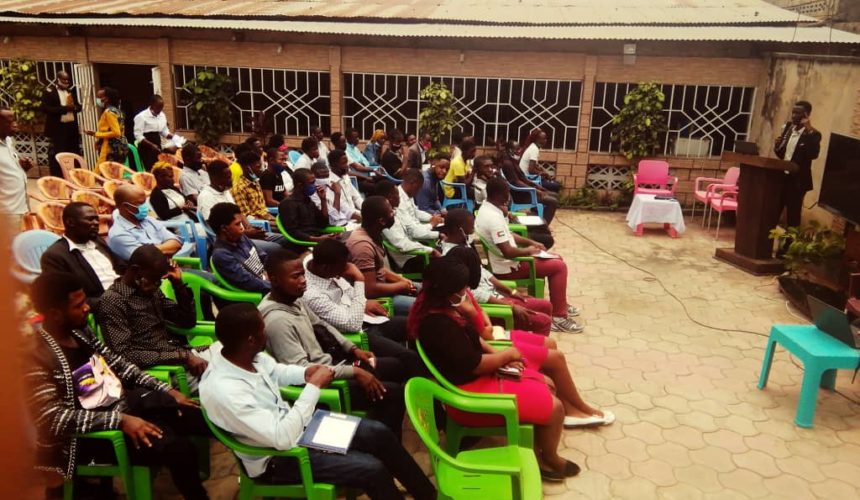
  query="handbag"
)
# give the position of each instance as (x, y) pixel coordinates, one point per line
(96, 384)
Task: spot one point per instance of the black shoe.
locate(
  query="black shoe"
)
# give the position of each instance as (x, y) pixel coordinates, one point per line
(570, 470)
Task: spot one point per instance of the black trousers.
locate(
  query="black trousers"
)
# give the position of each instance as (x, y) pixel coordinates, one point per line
(66, 140)
(149, 156)
(792, 201)
(542, 235)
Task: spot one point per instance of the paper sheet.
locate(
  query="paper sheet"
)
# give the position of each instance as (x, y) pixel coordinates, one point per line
(335, 432)
(530, 220)
(546, 255)
(499, 333)
(375, 320)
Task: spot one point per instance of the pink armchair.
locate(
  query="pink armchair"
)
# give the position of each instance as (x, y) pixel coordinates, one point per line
(725, 201)
(702, 191)
(654, 173)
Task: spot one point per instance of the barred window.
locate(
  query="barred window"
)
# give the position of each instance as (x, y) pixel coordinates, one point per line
(703, 120)
(487, 108)
(45, 70)
(294, 101)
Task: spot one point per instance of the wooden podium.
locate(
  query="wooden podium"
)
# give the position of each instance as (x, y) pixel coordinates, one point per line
(759, 208)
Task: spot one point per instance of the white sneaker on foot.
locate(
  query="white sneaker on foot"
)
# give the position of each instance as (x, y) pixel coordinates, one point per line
(566, 325)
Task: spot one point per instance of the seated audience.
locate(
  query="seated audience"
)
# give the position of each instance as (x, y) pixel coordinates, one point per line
(419, 225)
(459, 171)
(297, 336)
(134, 312)
(299, 214)
(491, 224)
(509, 165)
(529, 157)
(194, 177)
(310, 152)
(82, 253)
(276, 181)
(394, 158)
(357, 160)
(456, 139)
(132, 226)
(368, 254)
(427, 197)
(318, 134)
(485, 170)
(61, 361)
(340, 212)
(166, 200)
(249, 145)
(247, 190)
(530, 314)
(397, 235)
(454, 332)
(219, 192)
(339, 173)
(241, 396)
(374, 147)
(417, 153)
(234, 256)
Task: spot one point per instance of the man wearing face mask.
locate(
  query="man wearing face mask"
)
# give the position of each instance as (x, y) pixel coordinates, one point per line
(194, 178)
(299, 214)
(61, 106)
(132, 227)
(134, 313)
(247, 190)
(340, 212)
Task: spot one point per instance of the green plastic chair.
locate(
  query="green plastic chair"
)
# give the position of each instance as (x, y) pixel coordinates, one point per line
(302, 243)
(136, 478)
(497, 473)
(249, 488)
(226, 284)
(500, 311)
(134, 157)
(389, 249)
(534, 284)
(455, 432)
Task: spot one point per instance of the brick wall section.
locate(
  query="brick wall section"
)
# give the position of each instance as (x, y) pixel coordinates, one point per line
(572, 166)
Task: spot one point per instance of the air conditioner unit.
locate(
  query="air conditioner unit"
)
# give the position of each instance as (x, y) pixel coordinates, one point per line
(691, 146)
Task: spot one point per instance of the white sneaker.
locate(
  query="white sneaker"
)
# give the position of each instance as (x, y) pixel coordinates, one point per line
(572, 310)
(566, 325)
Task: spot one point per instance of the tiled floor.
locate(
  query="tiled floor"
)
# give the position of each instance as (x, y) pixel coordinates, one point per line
(691, 423)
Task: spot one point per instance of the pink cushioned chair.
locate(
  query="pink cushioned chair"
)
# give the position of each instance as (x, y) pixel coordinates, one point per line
(726, 202)
(654, 173)
(706, 188)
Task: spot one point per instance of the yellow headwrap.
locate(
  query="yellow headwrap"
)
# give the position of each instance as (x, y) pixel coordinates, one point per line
(377, 134)
(160, 165)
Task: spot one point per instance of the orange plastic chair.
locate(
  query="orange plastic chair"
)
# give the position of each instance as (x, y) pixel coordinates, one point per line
(82, 178)
(145, 180)
(168, 158)
(177, 172)
(50, 214)
(104, 207)
(55, 188)
(115, 171)
(210, 154)
(69, 161)
(111, 186)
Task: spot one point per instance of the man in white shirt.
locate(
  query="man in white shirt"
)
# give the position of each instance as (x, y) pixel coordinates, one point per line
(194, 178)
(13, 176)
(397, 236)
(318, 134)
(339, 167)
(150, 125)
(419, 225)
(491, 224)
(241, 393)
(310, 153)
(339, 212)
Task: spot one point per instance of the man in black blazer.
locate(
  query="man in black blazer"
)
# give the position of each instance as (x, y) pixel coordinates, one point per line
(82, 253)
(61, 105)
(799, 143)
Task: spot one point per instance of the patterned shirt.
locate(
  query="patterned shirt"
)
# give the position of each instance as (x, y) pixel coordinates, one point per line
(335, 301)
(249, 196)
(135, 325)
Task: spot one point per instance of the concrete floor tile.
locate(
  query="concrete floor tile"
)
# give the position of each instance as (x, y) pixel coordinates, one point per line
(842, 471)
(634, 488)
(757, 461)
(787, 486)
(715, 458)
(744, 481)
(800, 467)
(656, 471)
(671, 453)
(769, 444)
(681, 491)
(833, 488)
(686, 436)
(703, 478)
(661, 417)
(629, 447)
(611, 465)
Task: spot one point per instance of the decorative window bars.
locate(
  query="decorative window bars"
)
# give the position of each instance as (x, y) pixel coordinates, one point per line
(703, 120)
(36, 147)
(608, 177)
(293, 101)
(488, 108)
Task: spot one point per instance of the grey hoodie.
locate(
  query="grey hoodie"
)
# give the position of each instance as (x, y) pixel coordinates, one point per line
(291, 339)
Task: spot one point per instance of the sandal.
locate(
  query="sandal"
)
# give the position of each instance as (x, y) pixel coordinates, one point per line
(570, 470)
(590, 421)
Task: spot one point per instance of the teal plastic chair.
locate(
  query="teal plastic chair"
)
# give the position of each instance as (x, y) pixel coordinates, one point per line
(302, 243)
(821, 356)
(249, 488)
(27, 249)
(534, 284)
(455, 432)
(133, 159)
(500, 472)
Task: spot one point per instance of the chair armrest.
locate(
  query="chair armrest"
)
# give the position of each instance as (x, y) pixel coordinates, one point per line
(189, 262)
(500, 311)
(359, 339)
(506, 408)
(674, 184)
(699, 180)
(328, 397)
(272, 210)
(333, 229)
(176, 372)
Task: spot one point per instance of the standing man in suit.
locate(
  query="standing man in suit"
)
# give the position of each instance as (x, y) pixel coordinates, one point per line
(60, 105)
(799, 143)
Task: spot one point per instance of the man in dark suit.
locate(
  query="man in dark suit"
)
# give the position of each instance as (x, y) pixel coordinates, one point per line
(82, 253)
(799, 143)
(60, 105)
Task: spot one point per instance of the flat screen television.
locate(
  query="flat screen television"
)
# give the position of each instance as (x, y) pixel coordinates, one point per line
(840, 187)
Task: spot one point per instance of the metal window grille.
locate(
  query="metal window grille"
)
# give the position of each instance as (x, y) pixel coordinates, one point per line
(488, 108)
(703, 120)
(608, 177)
(36, 147)
(294, 101)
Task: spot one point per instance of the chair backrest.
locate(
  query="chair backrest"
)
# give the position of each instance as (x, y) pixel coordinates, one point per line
(55, 188)
(69, 161)
(489, 246)
(169, 158)
(420, 394)
(294, 156)
(28, 247)
(652, 172)
(732, 175)
(111, 186)
(221, 281)
(51, 214)
(135, 158)
(102, 204)
(209, 232)
(83, 178)
(114, 170)
(144, 180)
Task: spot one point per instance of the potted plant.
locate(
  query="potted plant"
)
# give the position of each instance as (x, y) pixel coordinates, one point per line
(20, 80)
(813, 260)
(637, 127)
(209, 105)
(438, 115)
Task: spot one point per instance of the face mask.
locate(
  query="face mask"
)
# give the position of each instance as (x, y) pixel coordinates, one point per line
(253, 177)
(142, 211)
(322, 182)
(462, 299)
(310, 189)
(99, 102)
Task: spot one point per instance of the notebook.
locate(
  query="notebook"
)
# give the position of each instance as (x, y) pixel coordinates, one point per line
(530, 220)
(330, 432)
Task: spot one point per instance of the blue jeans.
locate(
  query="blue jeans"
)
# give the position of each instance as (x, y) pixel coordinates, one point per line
(401, 304)
(374, 459)
(273, 242)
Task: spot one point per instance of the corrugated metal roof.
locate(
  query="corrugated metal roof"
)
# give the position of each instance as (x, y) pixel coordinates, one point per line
(783, 34)
(523, 12)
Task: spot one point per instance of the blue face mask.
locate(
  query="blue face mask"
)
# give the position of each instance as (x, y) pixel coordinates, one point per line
(310, 189)
(142, 211)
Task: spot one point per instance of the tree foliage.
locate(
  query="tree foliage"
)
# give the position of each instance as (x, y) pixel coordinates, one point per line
(639, 124)
(438, 114)
(21, 81)
(209, 105)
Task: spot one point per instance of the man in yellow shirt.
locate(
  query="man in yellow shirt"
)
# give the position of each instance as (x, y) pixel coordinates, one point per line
(460, 170)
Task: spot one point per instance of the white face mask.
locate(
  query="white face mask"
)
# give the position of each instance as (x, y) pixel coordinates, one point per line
(322, 182)
(470, 238)
(460, 301)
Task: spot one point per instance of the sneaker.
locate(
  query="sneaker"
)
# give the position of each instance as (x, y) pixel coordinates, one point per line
(572, 311)
(566, 325)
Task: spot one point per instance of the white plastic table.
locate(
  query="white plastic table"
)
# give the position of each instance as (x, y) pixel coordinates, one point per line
(647, 210)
